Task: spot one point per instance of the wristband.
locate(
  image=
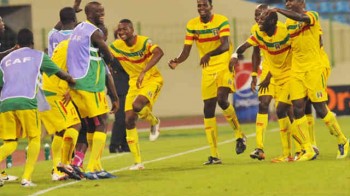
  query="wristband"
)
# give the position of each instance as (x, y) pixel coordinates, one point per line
(234, 55)
(254, 74)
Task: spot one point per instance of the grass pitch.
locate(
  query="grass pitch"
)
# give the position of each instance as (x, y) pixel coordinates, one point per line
(174, 167)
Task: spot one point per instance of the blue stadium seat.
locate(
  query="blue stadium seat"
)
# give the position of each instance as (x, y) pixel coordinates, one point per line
(326, 7)
(342, 6)
(311, 6)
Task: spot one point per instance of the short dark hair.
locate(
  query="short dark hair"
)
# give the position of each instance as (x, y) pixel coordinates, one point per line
(89, 6)
(210, 2)
(25, 37)
(126, 21)
(67, 15)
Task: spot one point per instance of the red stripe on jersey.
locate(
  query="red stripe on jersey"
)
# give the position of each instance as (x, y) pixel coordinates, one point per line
(225, 30)
(302, 30)
(133, 61)
(189, 37)
(254, 39)
(201, 40)
(276, 52)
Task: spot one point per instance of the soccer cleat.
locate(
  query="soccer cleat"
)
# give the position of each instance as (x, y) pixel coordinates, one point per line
(297, 155)
(27, 183)
(137, 166)
(5, 177)
(212, 161)
(104, 174)
(154, 132)
(307, 156)
(343, 150)
(67, 169)
(283, 158)
(91, 176)
(317, 151)
(241, 145)
(2, 182)
(78, 170)
(258, 154)
(59, 177)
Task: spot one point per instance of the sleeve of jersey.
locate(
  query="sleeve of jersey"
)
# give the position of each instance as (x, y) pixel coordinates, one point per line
(225, 29)
(113, 49)
(151, 47)
(190, 36)
(48, 66)
(252, 41)
(313, 17)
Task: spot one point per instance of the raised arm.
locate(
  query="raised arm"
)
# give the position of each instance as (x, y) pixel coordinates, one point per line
(292, 15)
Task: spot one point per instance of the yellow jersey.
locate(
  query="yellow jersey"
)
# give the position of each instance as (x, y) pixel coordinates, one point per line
(53, 85)
(135, 58)
(207, 38)
(305, 43)
(276, 50)
(264, 65)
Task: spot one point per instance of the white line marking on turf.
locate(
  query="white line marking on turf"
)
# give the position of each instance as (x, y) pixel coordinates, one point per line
(146, 162)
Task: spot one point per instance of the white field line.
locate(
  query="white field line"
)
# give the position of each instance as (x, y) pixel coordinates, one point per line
(146, 162)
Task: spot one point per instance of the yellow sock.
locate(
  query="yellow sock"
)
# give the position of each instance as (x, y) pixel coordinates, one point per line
(32, 157)
(146, 114)
(211, 131)
(261, 124)
(297, 143)
(98, 165)
(132, 138)
(89, 137)
(301, 133)
(334, 127)
(285, 127)
(69, 141)
(311, 123)
(232, 119)
(56, 147)
(7, 149)
(99, 142)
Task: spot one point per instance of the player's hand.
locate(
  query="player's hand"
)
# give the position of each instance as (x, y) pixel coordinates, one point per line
(173, 63)
(115, 106)
(253, 84)
(76, 6)
(204, 61)
(233, 62)
(66, 98)
(264, 85)
(140, 79)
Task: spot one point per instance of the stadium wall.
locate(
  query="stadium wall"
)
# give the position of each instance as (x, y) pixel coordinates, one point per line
(164, 21)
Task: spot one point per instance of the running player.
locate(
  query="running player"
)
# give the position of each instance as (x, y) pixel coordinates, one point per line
(211, 33)
(138, 56)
